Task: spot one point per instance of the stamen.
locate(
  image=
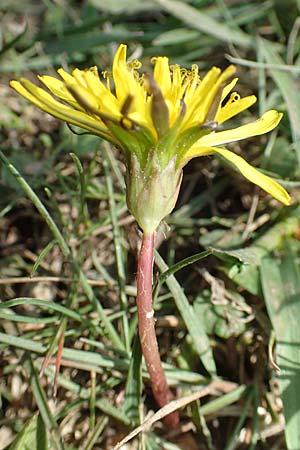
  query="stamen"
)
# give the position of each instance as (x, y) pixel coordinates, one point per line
(106, 74)
(94, 70)
(175, 75)
(234, 97)
(142, 80)
(194, 69)
(183, 71)
(135, 64)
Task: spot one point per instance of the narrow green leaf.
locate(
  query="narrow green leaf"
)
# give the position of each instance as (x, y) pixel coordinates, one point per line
(183, 263)
(246, 272)
(123, 6)
(176, 36)
(42, 255)
(233, 440)
(133, 389)
(82, 207)
(112, 411)
(41, 435)
(203, 22)
(24, 344)
(255, 418)
(33, 436)
(42, 403)
(280, 282)
(26, 319)
(12, 43)
(101, 424)
(175, 268)
(43, 304)
(192, 322)
(118, 248)
(87, 360)
(289, 87)
(221, 402)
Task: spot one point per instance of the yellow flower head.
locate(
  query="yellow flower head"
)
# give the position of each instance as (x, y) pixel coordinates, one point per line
(160, 121)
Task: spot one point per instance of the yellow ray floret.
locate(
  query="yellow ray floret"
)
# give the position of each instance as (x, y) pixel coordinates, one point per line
(266, 123)
(255, 176)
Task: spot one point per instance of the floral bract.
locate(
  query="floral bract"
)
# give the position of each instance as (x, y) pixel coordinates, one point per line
(160, 121)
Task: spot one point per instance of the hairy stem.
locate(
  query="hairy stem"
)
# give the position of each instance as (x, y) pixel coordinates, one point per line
(160, 388)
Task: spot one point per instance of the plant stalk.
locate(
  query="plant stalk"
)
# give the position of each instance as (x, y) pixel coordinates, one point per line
(160, 388)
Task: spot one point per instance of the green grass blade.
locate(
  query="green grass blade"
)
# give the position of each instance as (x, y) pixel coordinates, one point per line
(245, 272)
(232, 441)
(12, 43)
(192, 322)
(33, 436)
(102, 422)
(24, 344)
(41, 435)
(86, 359)
(289, 87)
(133, 389)
(43, 304)
(82, 208)
(42, 403)
(42, 255)
(26, 319)
(118, 249)
(227, 399)
(280, 282)
(203, 22)
(181, 264)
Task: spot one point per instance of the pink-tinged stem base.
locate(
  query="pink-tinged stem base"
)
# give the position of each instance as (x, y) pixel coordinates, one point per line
(160, 388)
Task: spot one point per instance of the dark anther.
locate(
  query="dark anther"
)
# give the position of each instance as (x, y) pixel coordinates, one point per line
(126, 105)
(215, 105)
(183, 107)
(159, 108)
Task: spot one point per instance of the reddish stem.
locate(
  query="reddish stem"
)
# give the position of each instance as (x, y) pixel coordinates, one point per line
(160, 388)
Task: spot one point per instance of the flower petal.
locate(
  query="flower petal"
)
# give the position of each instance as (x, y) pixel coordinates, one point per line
(106, 100)
(205, 95)
(58, 88)
(162, 74)
(194, 97)
(231, 109)
(266, 123)
(127, 85)
(263, 181)
(228, 88)
(46, 102)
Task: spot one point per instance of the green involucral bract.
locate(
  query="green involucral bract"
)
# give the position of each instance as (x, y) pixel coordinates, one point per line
(152, 191)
